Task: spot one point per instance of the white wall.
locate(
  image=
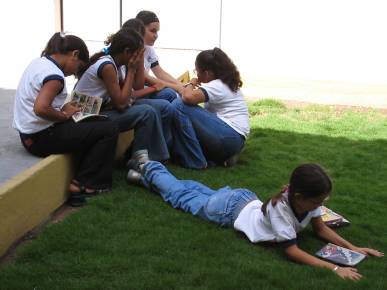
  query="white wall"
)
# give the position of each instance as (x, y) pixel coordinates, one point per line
(335, 40)
(25, 28)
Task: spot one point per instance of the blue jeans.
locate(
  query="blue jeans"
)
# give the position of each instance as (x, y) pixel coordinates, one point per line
(217, 139)
(165, 94)
(165, 112)
(148, 132)
(220, 206)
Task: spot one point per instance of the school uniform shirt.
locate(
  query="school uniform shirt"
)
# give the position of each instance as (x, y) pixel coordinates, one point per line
(38, 72)
(150, 58)
(278, 225)
(91, 82)
(229, 106)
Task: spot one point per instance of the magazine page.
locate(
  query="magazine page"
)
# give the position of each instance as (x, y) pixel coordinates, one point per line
(332, 218)
(340, 255)
(89, 106)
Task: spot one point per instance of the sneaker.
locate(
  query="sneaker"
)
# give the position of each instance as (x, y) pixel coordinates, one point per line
(138, 159)
(134, 177)
(231, 161)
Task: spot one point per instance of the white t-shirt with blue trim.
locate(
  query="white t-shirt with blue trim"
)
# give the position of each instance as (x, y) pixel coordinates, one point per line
(229, 106)
(91, 82)
(38, 72)
(278, 225)
(150, 58)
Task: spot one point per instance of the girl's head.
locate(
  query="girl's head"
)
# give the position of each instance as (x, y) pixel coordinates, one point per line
(120, 46)
(152, 26)
(309, 186)
(136, 25)
(73, 50)
(215, 64)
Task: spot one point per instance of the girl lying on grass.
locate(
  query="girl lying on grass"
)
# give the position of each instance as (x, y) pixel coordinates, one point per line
(278, 220)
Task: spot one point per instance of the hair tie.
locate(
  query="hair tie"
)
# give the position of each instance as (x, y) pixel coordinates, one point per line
(106, 50)
(62, 34)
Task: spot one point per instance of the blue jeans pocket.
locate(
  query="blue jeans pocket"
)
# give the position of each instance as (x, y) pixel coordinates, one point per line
(218, 207)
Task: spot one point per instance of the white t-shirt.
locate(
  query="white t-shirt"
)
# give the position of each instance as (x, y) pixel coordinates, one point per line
(278, 225)
(38, 72)
(91, 82)
(150, 58)
(229, 106)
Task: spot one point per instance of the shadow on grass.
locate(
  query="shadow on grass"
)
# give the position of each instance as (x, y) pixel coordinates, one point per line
(130, 239)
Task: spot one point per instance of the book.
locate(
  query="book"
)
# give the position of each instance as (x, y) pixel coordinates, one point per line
(184, 78)
(340, 255)
(333, 219)
(89, 106)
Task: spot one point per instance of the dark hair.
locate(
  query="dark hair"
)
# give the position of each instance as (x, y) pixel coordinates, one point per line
(216, 61)
(117, 43)
(309, 179)
(147, 17)
(136, 25)
(63, 44)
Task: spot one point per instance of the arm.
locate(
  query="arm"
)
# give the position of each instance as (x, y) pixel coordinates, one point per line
(191, 94)
(326, 233)
(143, 92)
(139, 78)
(294, 253)
(42, 105)
(161, 84)
(119, 95)
(163, 75)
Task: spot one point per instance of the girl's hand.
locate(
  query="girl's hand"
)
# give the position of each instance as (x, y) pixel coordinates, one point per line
(369, 252)
(70, 109)
(159, 86)
(348, 273)
(194, 81)
(135, 58)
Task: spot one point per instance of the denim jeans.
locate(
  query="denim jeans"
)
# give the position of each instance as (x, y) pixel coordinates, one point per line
(148, 132)
(95, 139)
(165, 94)
(220, 206)
(217, 139)
(165, 112)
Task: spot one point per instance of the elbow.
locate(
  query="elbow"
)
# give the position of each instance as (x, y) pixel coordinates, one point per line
(39, 111)
(188, 99)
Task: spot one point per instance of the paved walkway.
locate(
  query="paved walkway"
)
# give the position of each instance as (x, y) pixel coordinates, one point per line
(13, 157)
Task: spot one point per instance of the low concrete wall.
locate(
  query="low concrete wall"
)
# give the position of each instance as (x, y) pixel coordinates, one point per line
(28, 199)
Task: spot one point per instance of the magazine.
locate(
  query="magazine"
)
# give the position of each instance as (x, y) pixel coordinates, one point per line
(333, 219)
(340, 255)
(184, 78)
(89, 106)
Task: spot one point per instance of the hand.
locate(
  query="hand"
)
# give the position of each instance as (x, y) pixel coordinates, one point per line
(135, 58)
(194, 81)
(131, 101)
(159, 86)
(369, 252)
(348, 273)
(70, 108)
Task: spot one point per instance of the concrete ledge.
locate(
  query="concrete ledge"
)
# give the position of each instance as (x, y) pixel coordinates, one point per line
(29, 198)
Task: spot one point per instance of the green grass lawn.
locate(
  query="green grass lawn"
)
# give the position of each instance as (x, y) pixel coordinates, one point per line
(131, 239)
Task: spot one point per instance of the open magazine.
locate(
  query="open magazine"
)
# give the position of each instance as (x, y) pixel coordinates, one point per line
(184, 78)
(340, 255)
(333, 219)
(90, 106)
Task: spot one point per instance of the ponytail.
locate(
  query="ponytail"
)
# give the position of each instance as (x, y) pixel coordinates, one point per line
(221, 65)
(60, 43)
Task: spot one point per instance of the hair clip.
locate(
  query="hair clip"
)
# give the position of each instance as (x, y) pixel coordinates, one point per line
(62, 34)
(106, 50)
